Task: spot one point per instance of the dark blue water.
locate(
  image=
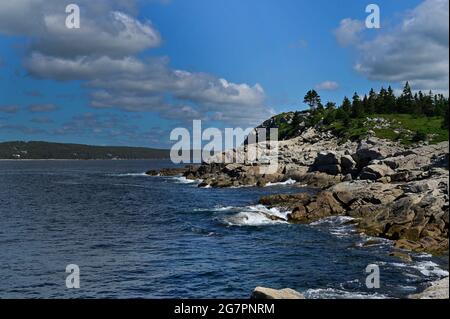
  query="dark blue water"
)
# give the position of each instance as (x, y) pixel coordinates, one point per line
(135, 236)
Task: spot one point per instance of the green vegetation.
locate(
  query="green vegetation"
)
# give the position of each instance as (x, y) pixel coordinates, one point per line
(44, 150)
(408, 118)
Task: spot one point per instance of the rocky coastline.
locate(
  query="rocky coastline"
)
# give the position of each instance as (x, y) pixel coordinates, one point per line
(390, 190)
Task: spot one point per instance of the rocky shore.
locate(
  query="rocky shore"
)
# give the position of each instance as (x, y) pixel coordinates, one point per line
(390, 190)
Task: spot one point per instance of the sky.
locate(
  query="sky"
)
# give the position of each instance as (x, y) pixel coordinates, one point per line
(136, 69)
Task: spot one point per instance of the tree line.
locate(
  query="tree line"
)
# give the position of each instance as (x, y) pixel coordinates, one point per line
(383, 102)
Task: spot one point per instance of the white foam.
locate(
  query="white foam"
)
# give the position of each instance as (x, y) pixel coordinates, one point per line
(333, 220)
(337, 225)
(288, 182)
(331, 293)
(130, 175)
(184, 180)
(429, 268)
(257, 215)
(426, 268)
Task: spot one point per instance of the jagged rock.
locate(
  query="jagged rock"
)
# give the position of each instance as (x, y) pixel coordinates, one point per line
(321, 180)
(348, 164)
(268, 293)
(318, 207)
(374, 172)
(437, 290)
(347, 178)
(401, 255)
(327, 158)
(372, 149)
(168, 172)
(332, 169)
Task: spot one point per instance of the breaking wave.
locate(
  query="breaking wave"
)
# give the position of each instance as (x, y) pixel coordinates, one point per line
(257, 215)
(288, 182)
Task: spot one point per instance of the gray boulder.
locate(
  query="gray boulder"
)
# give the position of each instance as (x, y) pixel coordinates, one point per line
(375, 172)
(268, 293)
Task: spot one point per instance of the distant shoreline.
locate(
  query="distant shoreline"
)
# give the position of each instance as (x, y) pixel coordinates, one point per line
(39, 150)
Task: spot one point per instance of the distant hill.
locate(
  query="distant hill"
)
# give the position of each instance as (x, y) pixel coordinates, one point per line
(45, 150)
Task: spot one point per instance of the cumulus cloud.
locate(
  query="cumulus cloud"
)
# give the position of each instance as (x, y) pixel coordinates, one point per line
(416, 50)
(104, 55)
(327, 86)
(349, 31)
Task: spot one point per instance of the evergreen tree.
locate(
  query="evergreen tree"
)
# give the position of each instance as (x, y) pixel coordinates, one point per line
(357, 107)
(371, 103)
(445, 121)
(346, 106)
(312, 99)
(406, 100)
(389, 101)
(330, 106)
(380, 105)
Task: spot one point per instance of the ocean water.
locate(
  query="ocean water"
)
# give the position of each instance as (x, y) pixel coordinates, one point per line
(135, 236)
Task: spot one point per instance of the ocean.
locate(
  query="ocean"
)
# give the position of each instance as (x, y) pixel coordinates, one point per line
(136, 236)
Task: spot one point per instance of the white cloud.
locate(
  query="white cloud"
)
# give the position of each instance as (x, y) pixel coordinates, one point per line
(415, 50)
(349, 31)
(327, 86)
(103, 55)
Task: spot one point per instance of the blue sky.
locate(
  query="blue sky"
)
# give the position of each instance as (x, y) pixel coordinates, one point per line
(159, 64)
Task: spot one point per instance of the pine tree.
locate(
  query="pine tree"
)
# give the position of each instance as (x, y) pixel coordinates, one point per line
(380, 105)
(357, 107)
(390, 101)
(406, 100)
(446, 115)
(346, 106)
(371, 105)
(312, 99)
(330, 106)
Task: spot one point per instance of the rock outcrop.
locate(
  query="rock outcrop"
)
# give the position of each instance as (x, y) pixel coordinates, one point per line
(393, 191)
(268, 293)
(438, 290)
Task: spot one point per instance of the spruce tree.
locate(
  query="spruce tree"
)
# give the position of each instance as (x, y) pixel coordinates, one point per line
(312, 99)
(357, 107)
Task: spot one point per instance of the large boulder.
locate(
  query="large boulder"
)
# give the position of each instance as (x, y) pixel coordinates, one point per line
(375, 172)
(348, 164)
(318, 207)
(268, 293)
(437, 290)
(372, 149)
(327, 158)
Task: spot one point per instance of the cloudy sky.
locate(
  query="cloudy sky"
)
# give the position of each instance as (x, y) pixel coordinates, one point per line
(136, 69)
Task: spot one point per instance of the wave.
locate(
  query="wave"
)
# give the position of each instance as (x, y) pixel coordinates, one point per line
(129, 175)
(288, 182)
(257, 215)
(331, 293)
(184, 180)
(427, 268)
(337, 225)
